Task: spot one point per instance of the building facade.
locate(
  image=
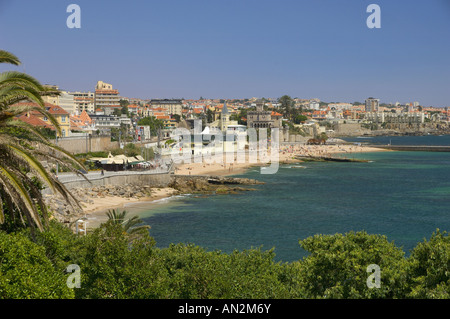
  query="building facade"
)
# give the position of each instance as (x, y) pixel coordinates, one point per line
(106, 96)
(172, 106)
(84, 101)
(61, 116)
(263, 119)
(372, 104)
(67, 102)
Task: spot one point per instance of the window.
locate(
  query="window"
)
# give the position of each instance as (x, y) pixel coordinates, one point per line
(63, 119)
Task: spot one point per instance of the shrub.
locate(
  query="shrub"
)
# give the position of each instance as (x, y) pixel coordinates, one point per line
(26, 272)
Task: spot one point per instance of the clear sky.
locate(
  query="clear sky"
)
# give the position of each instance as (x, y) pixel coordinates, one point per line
(237, 48)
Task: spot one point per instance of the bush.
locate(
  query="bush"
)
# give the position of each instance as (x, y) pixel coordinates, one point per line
(114, 264)
(430, 268)
(337, 266)
(26, 272)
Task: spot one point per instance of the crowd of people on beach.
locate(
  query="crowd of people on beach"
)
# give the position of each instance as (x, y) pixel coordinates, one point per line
(318, 150)
(286, 152)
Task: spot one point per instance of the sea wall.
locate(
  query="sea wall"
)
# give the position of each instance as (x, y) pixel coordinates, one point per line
(86, 144)
(154, 180)
(349, 129)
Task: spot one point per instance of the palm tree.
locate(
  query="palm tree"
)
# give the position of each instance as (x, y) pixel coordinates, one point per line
(22, 146)
(130, 226)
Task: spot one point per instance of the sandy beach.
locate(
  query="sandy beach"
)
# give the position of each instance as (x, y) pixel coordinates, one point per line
(286, 154)
(95, 211)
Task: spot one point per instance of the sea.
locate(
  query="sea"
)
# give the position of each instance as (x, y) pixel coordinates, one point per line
(404, 196)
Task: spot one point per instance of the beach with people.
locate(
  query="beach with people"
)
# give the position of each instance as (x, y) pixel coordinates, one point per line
(95, 207)
(287, 153)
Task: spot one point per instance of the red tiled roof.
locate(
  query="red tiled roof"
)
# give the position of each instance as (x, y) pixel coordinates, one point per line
(51, 108)
(83, 117)
(34, 120)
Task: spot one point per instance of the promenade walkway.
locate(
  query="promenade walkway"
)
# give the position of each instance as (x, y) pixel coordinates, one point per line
(164, 167)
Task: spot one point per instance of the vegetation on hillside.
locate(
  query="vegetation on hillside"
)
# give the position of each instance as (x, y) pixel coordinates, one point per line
(115, 263)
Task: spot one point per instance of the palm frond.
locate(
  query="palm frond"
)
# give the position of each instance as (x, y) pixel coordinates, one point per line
(14, 79)
(8, 57)
(23, 201)
(15, 94)
(22, 146)
(35, 164)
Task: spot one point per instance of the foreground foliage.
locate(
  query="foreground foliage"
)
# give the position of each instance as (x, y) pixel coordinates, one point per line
(113, 266)
(23, 147)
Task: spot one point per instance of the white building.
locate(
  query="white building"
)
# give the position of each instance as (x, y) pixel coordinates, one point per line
(313, 105)
(105, 95)
(84, 101)
(67, 102)
(389, 117)
(372, 104)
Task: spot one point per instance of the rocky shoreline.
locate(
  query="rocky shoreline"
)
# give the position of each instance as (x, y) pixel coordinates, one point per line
(205, 185)
(211, 184)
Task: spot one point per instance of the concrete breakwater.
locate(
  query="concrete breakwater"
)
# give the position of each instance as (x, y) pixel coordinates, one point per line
(416, 148)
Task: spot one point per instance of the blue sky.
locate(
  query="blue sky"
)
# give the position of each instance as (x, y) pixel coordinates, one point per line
(237, 48)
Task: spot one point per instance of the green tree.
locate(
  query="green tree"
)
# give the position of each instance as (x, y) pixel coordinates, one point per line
(209, 116)
(337, 266)
(27, 273)
(21, 145)
(300, 119)
(287, 106)
(429, 266)
(114, 268)
(132, 226)
(123, 103)
(154, 123)
(176, 117)
(117, 112)
(131, 150)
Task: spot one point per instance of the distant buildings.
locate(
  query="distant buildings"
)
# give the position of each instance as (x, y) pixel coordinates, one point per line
(36, 118)
(105, 122)
(372, 104)
(263, 119)
(106, 97)
(64, 100)
(172, 106)
(223, 122)
(392, 117)
(67, 101)
(314, 105)
(84, 101)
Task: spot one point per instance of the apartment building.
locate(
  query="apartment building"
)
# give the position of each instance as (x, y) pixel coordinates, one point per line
(106, 96)
(64, 100)
(172, 106)
(372, 104)
(84, 101)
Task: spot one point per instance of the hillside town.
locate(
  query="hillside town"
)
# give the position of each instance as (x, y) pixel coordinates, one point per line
(104, 113)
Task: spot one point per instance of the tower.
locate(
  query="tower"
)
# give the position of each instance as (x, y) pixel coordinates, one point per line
(224, 117)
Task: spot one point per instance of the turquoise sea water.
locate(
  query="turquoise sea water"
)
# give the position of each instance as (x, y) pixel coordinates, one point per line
(403, 195)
